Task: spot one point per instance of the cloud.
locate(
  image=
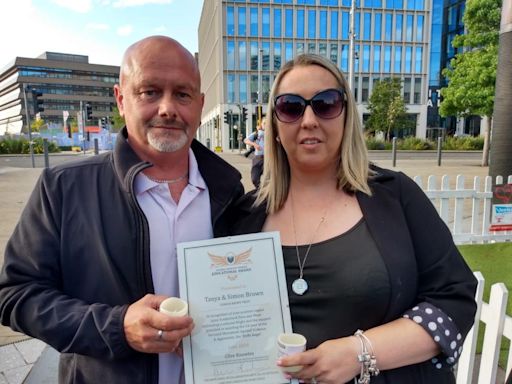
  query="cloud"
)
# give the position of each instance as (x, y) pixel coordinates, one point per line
(80, 6)
(97, 26)
(125, 30)
(136, 3)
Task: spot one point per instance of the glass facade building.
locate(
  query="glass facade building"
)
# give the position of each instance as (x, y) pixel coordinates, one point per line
(239, 59)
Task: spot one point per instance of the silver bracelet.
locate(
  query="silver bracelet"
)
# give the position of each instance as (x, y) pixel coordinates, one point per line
(366, 358)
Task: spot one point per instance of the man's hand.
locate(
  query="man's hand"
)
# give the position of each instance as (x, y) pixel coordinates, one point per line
(143, 322)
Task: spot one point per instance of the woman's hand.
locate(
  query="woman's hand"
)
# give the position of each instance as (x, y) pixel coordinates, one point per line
(332, 362)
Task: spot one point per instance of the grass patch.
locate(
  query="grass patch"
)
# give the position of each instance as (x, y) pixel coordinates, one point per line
(494, 261)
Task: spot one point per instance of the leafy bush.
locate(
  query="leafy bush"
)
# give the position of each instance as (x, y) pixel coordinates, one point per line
(373, 144)
(414, 144)
(9, 145)
(464, 143)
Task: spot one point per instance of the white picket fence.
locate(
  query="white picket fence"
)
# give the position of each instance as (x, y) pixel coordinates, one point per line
(466, 211)
(497, 326)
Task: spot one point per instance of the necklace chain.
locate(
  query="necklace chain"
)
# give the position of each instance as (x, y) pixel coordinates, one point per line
(167, 181)
(303, 263)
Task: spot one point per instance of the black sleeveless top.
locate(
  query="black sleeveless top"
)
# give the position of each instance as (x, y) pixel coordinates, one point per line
(348, 286)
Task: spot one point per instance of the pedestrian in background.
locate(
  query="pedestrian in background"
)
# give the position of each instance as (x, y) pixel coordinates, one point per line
(257, 141)
(94, 252)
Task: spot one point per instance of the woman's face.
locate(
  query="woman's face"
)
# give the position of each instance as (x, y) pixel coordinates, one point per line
(312, 143)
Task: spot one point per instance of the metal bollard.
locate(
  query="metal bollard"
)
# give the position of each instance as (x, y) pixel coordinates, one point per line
(439, 148)
(393, 152)
(96, 146)
(45, 151)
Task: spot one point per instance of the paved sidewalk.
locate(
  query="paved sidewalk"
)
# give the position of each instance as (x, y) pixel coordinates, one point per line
(30, 361)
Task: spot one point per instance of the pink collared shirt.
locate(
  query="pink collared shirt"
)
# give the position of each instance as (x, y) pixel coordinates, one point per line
(169, 224)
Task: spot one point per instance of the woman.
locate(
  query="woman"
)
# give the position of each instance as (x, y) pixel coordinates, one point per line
(364, 249)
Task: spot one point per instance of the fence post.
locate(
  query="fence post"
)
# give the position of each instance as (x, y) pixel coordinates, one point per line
(45, 151)
(96, 147)
(393, 152)
(439, 145)
(493, 331)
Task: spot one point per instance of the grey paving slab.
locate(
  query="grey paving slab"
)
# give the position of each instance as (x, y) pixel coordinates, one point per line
(10, 358)
(46, 370)
(3, 379)
(17, 375)
(30, 349)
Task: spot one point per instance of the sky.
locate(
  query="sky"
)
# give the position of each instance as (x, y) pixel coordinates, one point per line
(100, 29)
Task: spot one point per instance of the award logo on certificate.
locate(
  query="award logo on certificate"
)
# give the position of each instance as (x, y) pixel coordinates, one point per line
(236, 292)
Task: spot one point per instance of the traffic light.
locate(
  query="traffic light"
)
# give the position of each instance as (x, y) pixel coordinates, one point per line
(88, 111)
(226, 117)
(244, 114)
(259, 112)
(37, 102)
(103, 123)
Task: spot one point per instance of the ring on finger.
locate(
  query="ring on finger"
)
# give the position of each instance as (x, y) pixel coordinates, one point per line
(160, 334)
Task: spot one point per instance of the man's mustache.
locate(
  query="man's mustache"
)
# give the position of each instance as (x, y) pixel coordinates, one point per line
(167, 124)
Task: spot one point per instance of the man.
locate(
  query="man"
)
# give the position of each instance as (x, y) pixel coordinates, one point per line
(257, 141)
(94, 252)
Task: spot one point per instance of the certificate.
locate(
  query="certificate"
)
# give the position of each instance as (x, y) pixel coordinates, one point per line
(236, 292)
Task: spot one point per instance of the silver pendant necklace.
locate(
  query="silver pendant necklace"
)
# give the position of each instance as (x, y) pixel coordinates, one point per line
(300, 285)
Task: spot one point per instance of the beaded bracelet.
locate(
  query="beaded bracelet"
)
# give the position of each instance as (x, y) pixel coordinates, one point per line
(366, 358)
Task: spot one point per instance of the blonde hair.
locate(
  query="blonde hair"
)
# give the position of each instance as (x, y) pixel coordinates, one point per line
(353, 166)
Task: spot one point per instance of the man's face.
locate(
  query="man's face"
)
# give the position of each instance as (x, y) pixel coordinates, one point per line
(159, 97)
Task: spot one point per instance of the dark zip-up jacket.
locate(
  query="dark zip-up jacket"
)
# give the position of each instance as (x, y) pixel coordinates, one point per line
(422, 262)
(80, 255)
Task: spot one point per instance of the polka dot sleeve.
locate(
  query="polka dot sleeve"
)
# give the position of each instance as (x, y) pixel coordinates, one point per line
(442, 329)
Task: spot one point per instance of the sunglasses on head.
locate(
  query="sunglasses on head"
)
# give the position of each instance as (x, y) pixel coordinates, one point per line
(327, 104)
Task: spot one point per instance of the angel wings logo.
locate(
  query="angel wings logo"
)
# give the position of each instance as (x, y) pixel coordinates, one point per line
(231, 263)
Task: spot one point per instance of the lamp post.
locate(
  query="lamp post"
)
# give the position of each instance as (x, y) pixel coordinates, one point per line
(351, 45)
(260, 99)
(27, 117)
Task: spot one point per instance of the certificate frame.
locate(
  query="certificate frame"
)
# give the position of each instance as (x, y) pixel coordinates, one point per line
(237, 295)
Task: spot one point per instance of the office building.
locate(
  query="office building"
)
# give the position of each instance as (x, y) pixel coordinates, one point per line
(66, 82)
(243, 43)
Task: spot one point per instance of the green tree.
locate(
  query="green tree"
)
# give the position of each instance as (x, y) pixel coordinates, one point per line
(36, 125)
(387, 107)
(118, 120)
(472, 73)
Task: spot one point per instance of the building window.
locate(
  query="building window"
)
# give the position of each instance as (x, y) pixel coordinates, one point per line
(334, 24)
(357, 55)
(288, 23)
(376, 58)
(243, 89)
(265, 21)
(265, 56)
(254, 88)
(322, 49)
(367, 26)
(365, 89)
(323, 24)
(407, 90)
(344, 57)
(242, 30)
(366, 58)
(419, 28)
(417, 91)
(231, 55)
(398, 60)
(399, 27)
(230, 21)
(356, 88)
(231, 88)
(311, 24)
(419, 60)
(254, 55)
(288, 51)
(345, 25)
(334, 53)
(387, 58)
(311, 48)
(377, 32)
(389, 27)
(265, 85)
(333, 3)
(299, 48)
(242, 55)
(277, 22)
(254, 22)
(408, 60)
(357, 24)
(277, 56)
(408, 27)
(300, 23)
